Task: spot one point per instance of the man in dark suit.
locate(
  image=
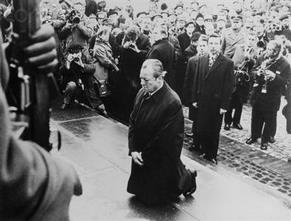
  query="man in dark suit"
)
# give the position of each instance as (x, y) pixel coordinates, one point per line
(209, 91)
(202, 47)
(164, 51)
(155, 136)
(266, 95)
(184, 41)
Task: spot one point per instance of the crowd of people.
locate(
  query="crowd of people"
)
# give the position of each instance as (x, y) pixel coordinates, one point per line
(101, 51)
(127, 65)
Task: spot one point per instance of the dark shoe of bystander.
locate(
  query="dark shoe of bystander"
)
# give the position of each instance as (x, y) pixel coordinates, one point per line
(272, 140)
(237, 126)
(65, 106)
(195, 148)
(251, 141)
(189, 134)
(210, 159)
(264, 146)
(226, 127)
(193, 188)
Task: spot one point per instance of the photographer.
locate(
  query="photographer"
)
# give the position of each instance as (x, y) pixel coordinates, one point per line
(76, 31)
(33, 185)
(130, 61)
(78, 79)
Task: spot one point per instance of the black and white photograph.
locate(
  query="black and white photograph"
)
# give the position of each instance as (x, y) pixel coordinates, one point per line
(145, 110)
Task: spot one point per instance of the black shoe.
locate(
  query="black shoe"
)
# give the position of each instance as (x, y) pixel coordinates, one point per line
(251, 141)
(194, 185)
(210, 159)
(272, 140)
(237, 126)
(194, 148)
(190, 134)
(226, 127)
(264, 146)
(65, 106)
(102, 111)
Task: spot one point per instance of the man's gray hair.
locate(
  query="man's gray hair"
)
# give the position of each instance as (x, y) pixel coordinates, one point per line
(156, 66)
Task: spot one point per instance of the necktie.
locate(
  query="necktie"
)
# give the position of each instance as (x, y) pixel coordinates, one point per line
(211, 60)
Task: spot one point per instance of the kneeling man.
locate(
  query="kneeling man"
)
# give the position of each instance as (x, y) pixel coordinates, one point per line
(155, 141)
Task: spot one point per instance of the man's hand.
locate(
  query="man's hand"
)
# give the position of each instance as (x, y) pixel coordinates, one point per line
(222, 111)
(270, 75)
(42, 52)
(136, 156)
(195, 104)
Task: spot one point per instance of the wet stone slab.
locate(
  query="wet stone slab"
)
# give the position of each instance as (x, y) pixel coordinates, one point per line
(75, 111)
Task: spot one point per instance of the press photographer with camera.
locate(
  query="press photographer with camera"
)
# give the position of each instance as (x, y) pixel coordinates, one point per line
(76, 29)
(33, 184)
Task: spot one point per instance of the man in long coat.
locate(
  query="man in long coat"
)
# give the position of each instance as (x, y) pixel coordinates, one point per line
(155, 141)
(164, 51)
(210, 92)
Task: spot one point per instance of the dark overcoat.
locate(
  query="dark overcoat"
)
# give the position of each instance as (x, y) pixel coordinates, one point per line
(184, 41)
(211, 89)
(130, 63)
(164, 51)
(156, 130)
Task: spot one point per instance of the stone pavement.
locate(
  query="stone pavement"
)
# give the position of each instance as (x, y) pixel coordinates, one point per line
(97, 147)
(270, 167)
(281, 149)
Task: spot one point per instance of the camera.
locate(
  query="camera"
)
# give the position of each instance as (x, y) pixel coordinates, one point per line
(131, 46)
(73, 17)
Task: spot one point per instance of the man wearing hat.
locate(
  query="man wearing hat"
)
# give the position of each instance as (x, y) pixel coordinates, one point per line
(284, 19)
(157, 18)
(179, 9)
(208, 24)
(233, 37)
(180, 25)
(199, 27)
(220, 24)
(112, 16)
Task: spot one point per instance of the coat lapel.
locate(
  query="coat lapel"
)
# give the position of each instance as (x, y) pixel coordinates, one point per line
(204, 63)
(217, 62)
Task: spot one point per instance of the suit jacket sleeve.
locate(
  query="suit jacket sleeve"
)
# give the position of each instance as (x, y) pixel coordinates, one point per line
(282, 78)
(32, 182)
(228, 86)
(223, 46)
(189, 88)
